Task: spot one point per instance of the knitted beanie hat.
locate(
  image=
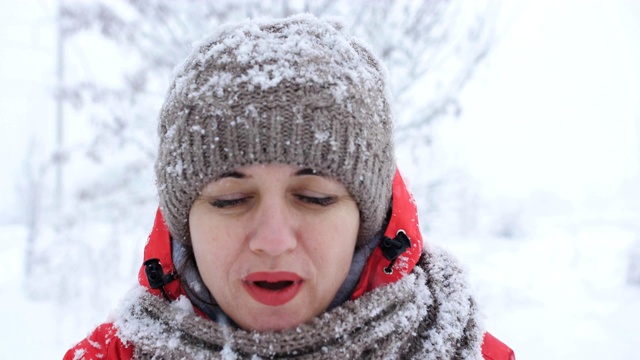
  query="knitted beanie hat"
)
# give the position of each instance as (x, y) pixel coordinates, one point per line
(295, 91)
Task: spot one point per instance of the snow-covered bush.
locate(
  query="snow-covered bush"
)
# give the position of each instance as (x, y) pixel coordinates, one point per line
(633, 269)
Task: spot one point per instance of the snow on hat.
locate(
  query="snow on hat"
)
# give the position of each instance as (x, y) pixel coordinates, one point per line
(296, 91)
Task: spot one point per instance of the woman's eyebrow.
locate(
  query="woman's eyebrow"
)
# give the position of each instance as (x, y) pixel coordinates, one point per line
(308, 171)
(233, 174)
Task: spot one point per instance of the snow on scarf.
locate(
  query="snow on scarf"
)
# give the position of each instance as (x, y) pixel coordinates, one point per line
(429, 314)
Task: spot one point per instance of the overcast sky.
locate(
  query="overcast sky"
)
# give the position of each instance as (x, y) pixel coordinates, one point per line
(555, 106)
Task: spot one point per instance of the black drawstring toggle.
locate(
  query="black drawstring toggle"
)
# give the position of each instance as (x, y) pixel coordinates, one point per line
(393, 248)
(156, 276)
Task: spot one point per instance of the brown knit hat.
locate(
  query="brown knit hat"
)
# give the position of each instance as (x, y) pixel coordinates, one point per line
(295, 91)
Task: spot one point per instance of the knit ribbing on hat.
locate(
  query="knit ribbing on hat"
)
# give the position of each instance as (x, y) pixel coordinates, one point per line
(294, 91)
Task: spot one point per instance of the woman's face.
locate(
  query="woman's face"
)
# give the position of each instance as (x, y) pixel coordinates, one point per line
(273, 243)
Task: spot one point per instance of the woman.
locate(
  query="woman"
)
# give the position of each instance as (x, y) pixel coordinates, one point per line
(284, 229)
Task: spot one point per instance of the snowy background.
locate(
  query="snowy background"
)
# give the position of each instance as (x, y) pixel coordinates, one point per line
(543, 155)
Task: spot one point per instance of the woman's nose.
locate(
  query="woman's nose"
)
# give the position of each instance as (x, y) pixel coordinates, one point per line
(273, 229)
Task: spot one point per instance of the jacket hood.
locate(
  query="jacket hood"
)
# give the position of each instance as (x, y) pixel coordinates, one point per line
(394, 257)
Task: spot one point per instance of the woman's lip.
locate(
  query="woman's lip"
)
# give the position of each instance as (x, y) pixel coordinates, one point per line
(273, 296)
(273, 276)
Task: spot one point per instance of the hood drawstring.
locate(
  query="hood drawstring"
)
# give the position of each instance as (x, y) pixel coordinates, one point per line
(393, 248)
(156, 276)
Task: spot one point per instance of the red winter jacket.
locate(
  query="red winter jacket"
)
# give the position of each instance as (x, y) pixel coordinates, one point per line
(104, 343)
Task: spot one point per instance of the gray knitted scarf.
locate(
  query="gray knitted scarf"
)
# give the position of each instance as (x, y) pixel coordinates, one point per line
(429, 314)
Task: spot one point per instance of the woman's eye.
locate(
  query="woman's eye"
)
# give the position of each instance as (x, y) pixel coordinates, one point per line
(322, 201)
(222, 204)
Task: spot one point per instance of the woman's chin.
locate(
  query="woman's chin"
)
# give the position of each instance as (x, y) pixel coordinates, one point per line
(260, 310)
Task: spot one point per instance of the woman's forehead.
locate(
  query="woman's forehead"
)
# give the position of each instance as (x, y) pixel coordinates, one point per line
(264, 169)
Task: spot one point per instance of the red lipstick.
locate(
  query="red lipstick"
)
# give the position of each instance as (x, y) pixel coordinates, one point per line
(272, 288)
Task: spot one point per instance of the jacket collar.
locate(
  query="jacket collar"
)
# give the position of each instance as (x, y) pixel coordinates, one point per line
(404, 218)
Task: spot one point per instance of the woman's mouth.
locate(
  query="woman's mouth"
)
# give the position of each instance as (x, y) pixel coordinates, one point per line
(272, 288)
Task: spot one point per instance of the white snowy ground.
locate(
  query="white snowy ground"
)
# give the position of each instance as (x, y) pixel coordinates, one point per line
(560, 295)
